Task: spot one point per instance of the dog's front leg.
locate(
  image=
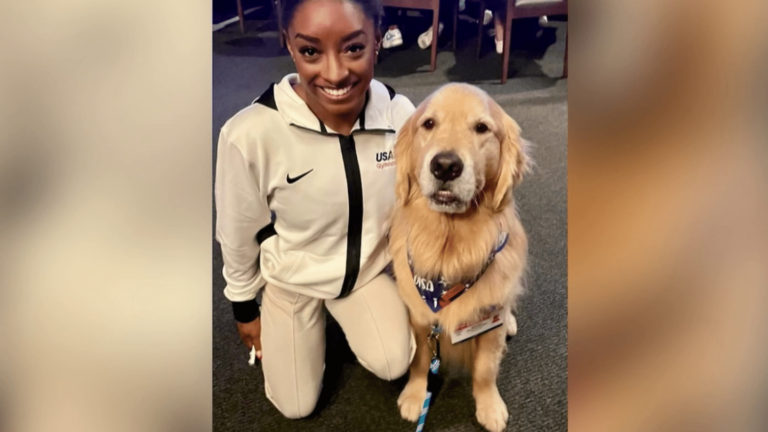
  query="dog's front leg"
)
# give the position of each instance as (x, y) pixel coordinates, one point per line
(411, 400)
(511, 324)
(491, 410)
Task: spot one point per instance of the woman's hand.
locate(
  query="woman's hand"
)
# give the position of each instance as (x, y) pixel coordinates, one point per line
(250, 333)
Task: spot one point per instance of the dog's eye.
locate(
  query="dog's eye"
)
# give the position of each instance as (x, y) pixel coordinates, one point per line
(429, 124)
(481, 128)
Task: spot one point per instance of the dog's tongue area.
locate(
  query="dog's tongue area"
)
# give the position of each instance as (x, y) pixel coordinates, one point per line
(444, 197)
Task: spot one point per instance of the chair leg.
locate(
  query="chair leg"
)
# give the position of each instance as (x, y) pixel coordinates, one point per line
(240, 15)
(280, 29)
(565, 60)
(480, 28)
(435, 33)
(455, 23)
(507, 39)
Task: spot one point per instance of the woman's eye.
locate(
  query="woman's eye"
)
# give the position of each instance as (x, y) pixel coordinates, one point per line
(481, 128)
(356, 48)
(308, 52)
(428, 124)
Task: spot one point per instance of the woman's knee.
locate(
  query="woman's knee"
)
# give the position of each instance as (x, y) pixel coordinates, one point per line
(400, 366)
(393, 363)
(386, 368)
(296, 408)
(297, 412)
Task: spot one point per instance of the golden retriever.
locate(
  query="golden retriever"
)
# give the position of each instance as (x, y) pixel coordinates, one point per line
(459, 156)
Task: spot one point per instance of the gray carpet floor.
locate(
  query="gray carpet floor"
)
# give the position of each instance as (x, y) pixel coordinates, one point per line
(533, 378)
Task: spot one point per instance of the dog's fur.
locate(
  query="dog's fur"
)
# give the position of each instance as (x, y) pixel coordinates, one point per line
(454, 240)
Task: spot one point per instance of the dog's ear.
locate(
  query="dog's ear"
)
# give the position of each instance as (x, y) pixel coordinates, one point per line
(403, 156)
(514, 161)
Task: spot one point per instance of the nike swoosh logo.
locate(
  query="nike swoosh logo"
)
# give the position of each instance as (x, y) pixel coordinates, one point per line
(295, 179)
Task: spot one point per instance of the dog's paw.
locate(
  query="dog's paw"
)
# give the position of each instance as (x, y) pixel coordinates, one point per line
(492, 413)
(411, 401)
(511, 325)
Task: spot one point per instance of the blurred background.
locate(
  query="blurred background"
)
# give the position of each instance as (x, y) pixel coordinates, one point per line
(667, 216)
(105, 217)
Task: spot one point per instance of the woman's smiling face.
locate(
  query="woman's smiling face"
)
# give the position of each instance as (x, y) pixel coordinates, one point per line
(333, 44)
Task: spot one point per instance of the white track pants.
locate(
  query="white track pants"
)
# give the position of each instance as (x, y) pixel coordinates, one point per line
(373, 318)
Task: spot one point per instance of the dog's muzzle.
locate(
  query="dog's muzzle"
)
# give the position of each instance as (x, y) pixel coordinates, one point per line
(445, 167)
(448, 180)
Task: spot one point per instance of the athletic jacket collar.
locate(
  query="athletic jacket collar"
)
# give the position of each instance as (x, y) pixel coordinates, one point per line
(376, 115)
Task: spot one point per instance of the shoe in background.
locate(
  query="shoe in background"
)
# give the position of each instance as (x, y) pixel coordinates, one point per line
(425, 39)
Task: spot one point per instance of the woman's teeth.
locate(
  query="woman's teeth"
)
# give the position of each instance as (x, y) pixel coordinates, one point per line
(336, 92)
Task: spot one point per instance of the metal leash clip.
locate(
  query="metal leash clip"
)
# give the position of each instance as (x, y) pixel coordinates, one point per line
(434, 365)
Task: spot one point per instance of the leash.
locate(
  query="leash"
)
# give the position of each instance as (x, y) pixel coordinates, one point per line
(434, 335)
(424, 409)
(433, 381)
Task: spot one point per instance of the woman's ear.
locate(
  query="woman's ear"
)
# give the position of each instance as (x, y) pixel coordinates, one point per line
(377, 38)
(514, 161)
(403, 159)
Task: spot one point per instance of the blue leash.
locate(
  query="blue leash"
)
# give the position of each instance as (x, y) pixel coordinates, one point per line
(434, 366)
(424, 411)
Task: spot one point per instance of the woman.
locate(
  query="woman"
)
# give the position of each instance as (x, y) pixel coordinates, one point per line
(304, 188)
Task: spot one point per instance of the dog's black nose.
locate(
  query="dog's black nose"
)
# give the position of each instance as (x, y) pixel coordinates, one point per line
(446, 166)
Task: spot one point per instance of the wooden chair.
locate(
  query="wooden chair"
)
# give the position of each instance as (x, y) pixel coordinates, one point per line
(279, 13)
(434, 6)
(281, 34)
(524, 9)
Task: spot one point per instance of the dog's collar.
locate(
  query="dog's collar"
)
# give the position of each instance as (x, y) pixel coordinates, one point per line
(438, 293)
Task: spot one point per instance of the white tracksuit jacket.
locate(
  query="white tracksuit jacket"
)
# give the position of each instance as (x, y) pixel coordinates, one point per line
(331, 196)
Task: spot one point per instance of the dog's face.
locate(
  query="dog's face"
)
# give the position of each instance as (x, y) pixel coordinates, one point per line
(459, 147)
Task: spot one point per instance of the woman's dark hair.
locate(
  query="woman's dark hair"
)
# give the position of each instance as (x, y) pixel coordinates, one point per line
(371, 8)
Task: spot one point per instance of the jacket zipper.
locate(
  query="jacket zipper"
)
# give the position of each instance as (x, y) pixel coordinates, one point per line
(355, 227)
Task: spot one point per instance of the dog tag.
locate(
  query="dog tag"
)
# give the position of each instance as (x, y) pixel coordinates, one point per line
(434, 365)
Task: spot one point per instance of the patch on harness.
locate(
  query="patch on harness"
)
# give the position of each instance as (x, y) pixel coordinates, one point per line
(490, 319)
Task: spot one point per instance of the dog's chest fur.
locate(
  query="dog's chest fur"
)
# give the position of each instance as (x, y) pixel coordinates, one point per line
(456, 249)
(453, 248)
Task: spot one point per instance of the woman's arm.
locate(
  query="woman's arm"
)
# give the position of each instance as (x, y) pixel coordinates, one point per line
(241, 211)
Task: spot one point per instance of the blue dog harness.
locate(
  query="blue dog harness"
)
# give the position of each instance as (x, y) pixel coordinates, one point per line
(439, 293)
